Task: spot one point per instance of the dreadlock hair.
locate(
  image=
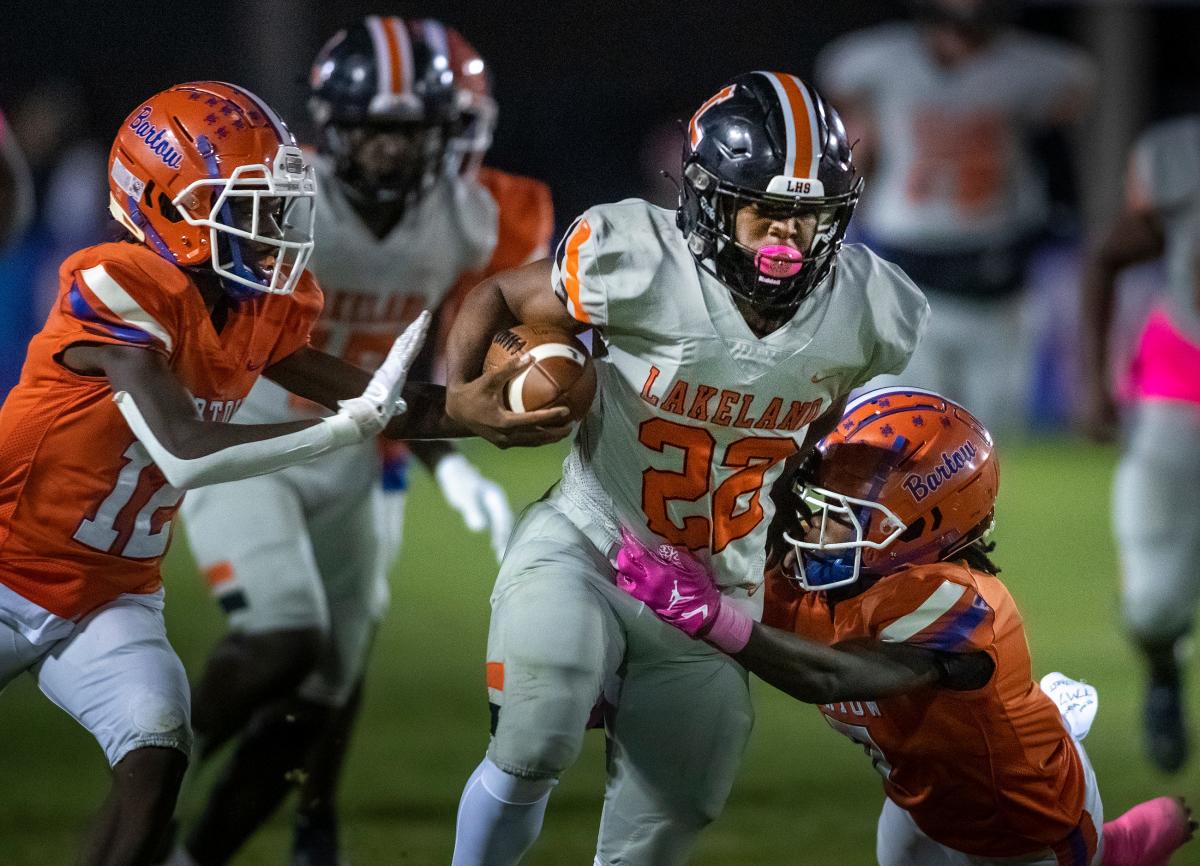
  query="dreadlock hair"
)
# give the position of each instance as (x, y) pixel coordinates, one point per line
(976, 556)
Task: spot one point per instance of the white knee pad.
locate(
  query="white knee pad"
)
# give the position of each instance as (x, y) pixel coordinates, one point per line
(513, 790)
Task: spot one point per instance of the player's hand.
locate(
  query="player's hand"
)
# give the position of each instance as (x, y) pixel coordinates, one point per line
(681, 592)
(381, 401)
(479, 406)
(481, 501)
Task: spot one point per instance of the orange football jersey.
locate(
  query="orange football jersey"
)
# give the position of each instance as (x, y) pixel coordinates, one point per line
(991, 772)
(85, 515)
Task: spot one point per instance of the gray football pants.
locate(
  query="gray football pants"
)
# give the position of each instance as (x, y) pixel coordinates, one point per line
(1156, 519)
(562, 636)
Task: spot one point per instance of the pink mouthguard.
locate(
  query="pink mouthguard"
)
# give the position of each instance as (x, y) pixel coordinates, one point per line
(779, 261)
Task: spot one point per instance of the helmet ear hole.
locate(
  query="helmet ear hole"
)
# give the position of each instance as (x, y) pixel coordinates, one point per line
(913, 532)
(168, 210)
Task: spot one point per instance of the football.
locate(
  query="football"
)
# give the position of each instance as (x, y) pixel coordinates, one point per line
(562, 373)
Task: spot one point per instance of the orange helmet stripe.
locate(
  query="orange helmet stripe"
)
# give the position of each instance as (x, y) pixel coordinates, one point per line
(800, 122)
(582, 232)
(396, 37)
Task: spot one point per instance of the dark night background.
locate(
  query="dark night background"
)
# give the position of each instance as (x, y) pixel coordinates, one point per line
(580, 84)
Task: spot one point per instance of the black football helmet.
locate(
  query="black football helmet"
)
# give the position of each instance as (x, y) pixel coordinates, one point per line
(417, 80)
(766, 139)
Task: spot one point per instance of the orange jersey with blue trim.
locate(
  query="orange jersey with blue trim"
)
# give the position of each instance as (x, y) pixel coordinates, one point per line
(85, 515)
(991, 772)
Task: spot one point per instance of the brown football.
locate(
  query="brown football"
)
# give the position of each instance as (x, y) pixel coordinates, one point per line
(562, 373)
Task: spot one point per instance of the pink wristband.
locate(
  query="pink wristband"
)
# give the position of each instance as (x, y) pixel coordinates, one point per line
(730, 631)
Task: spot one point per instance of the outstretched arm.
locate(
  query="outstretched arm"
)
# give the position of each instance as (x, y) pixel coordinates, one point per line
(819, 674)
(192, 452)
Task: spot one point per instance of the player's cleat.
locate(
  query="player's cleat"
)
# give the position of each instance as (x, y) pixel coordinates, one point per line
(1163, 727)
(315, 842)
(1148, 833)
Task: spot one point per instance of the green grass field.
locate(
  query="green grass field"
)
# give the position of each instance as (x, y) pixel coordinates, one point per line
(805, 795)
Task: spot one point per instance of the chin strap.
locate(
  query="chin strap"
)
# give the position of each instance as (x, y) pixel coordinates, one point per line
(235, 290)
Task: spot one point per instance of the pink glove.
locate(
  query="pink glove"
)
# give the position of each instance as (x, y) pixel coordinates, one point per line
(678, 588)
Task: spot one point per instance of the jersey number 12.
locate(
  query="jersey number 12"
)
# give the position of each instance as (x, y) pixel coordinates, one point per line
(117, 527)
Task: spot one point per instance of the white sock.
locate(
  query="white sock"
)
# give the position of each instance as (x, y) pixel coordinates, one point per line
(499, 817)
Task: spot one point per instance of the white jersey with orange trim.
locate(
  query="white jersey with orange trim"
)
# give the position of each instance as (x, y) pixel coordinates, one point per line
(1165, 177)
(953, 166)
(695, 414)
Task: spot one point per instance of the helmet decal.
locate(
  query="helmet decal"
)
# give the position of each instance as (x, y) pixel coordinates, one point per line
(153, 137)
(695, 133)
(953, 462)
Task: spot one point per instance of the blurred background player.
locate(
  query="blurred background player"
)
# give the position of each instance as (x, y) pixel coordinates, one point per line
(915, 649)
(727, 333)
(1156, 513)
(16, 187)
(944, 111)
(152, 345)
(299, 560)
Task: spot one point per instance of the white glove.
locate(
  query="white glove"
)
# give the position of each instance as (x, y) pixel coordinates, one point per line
(1076, 701)
(381, 401)
(481, 502)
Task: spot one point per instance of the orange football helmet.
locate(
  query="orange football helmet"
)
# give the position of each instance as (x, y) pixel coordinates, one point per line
(206, 173)
(911, 474)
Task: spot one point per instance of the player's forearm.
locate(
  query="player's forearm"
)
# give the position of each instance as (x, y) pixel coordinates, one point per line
(483, 313)
(1134, 239)
(426, 416)
(192, 453)
(1096, 310)
(818, 674)
(325, 380)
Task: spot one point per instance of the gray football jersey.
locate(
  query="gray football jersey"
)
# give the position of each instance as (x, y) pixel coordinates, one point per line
(375, 286)
(695, 415)
(953, 168)
(1166, 171)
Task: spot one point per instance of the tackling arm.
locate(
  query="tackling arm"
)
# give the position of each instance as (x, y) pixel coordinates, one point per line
(192, 452)
(818, 674)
